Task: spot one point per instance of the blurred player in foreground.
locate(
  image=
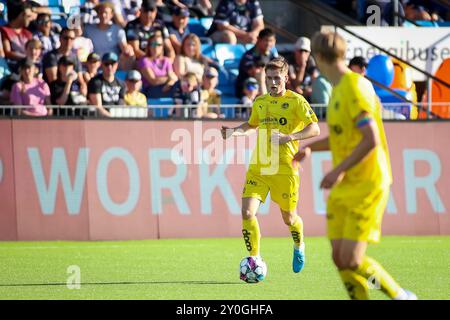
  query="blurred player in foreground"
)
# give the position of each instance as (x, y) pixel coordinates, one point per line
(283, 118)
(361, 174)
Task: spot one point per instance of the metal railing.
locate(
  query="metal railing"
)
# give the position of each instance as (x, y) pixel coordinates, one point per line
(391, 111)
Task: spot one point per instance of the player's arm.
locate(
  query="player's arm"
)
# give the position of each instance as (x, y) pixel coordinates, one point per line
(310, 131)
(318, 145)
(370, 139)
(241, 130)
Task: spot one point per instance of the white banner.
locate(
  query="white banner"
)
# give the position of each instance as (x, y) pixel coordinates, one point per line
(424, 48)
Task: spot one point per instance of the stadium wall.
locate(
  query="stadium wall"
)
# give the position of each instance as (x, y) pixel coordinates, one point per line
(117, 180)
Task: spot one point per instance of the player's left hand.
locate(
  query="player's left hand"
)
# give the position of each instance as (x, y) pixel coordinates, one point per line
(331, 178)
(280, 138)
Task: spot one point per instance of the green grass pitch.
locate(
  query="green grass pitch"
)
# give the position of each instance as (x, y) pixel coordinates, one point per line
(207, 269)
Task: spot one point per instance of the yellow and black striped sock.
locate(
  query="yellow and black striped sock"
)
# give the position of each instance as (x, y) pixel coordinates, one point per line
(296, 230)
(252, 235)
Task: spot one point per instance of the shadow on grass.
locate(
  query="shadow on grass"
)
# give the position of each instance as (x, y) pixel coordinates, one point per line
(120, 283)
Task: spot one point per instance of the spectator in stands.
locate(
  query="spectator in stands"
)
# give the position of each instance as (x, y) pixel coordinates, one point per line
(237, 21)
(210, 95)
(133, 96)
(139, 30)
(31, 91)
(164, 12)
(66, 89)
(255, 58)
(105, 89)
(157, 69)
(50, 60)
(358, 64)
(82, 46)
(178, 28)
(88, 13)
(188, 93)
(190, 60)
(92, 66)
(109, 37)
(321, 93)
(33, 51)
(45, 34)
(125, 11)
(2, 52)
(300, 79)
(250, 91)
(199, 8)
(414, 11)
(15, 34)
(4, 75)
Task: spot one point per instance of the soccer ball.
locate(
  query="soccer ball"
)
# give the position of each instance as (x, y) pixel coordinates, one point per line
(252, 269)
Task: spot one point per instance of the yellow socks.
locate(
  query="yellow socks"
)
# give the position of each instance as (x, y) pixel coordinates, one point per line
(356, 285)
(252, 236)
(378, 278)
(369, 275)
(296, 230)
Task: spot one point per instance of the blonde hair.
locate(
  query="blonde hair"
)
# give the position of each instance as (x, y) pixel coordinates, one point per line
(329, 45)
(34, 43)
(278, 63)
(196, 39)
(191, 78)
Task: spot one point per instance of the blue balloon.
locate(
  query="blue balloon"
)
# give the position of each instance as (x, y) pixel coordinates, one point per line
(381, 69)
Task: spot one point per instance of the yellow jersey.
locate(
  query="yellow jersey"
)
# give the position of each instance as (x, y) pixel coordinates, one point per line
(289, 113)
(351, 96)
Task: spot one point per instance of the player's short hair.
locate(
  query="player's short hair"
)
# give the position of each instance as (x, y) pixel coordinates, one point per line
(329, 45)
(278, 63)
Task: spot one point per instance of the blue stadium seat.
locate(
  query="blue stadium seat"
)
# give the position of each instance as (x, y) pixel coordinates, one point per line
(232, 52)
(443, 24)
(196, 27)
(54, 3)
(160, 112)
(208, 50)
(58, 15)
(206, 22)
(387, 97)
(121, 75)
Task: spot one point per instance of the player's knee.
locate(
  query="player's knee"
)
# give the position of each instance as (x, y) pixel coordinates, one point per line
(247, 214)
(350, 261)
(289, 220)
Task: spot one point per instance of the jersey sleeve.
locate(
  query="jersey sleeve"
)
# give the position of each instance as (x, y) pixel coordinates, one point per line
(254, 119)
(304, 112)
(361, 98)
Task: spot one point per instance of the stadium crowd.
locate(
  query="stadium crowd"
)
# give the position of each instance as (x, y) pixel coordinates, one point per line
(128, 52)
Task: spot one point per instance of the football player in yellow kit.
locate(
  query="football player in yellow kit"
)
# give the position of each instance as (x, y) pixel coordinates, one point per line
(361, 174)
(283, 118)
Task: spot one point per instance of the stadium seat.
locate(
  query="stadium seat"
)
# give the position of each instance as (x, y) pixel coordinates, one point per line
(160, 112)
(225, 51)
(71, 6)
(121, 75)
(206, 22)
(58, 15)
(196, 27)
(443, 23)
(208, 50)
